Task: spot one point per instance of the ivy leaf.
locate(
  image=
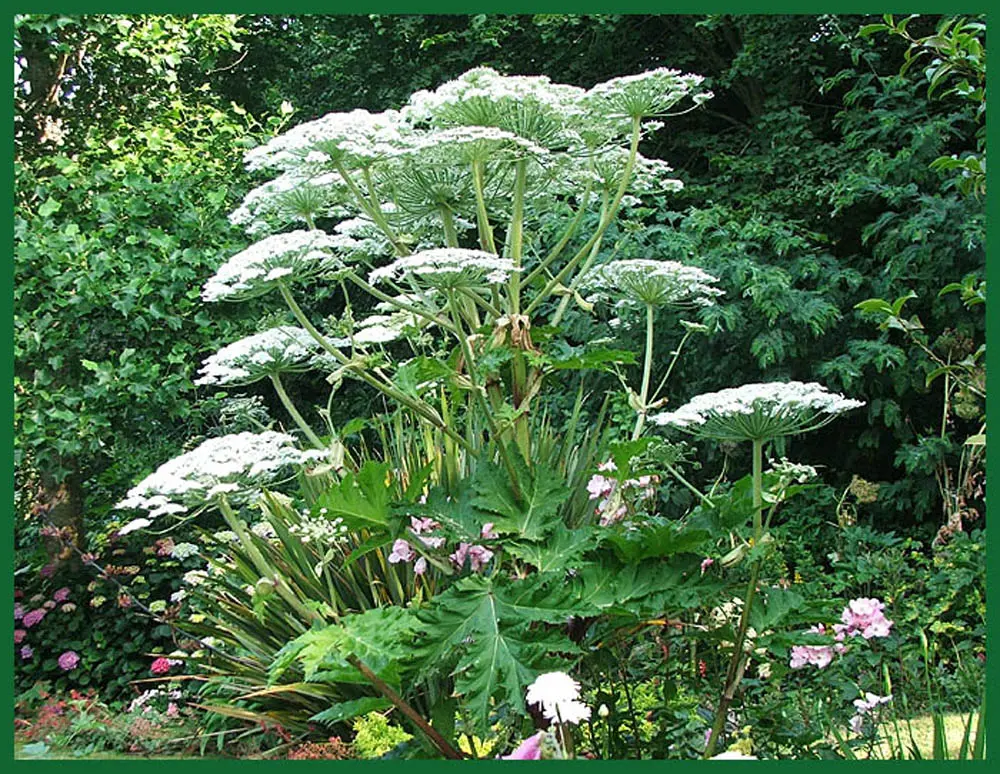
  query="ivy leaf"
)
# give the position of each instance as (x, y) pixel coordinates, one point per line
(542, 493)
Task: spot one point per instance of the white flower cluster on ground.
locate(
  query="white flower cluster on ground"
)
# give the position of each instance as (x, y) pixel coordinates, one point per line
(656, 283)
(758, 411)
(234, 465)
(277, 350)
(294, 255)
(447, 267)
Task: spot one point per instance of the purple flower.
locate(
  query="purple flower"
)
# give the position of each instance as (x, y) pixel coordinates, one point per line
(61, 595)
(529, 750)
(47, 571)
(68, 660)
(32, 617)
(18, 611)
(27, 652)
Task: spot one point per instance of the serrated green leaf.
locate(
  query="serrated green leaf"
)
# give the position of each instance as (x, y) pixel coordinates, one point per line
(560, 550)
(542, 492)
(346, 710)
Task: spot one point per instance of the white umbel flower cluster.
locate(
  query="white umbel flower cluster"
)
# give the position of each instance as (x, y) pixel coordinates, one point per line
(447, 267)
(235, 465)
(758, 411)
(657, 283)
(558, 694)
(652, 93)
(293, 196)
(353, 139)
(283, 349)
(320, 530)
(294, 255)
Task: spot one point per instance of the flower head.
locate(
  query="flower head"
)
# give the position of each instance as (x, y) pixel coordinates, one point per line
(656, 283)
(160, 666)
(239, 464)
(61, 595)
(33, 617)
(447, 267)
(758, 411)
(284, 349)
(652, 93)
(529, 750)
(68, 660)
(863, 617)
(558, 694)
(291, 256)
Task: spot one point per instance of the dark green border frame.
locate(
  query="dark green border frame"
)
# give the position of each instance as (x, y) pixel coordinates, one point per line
(454, 7)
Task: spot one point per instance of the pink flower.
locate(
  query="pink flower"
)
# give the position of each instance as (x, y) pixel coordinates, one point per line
(432, 542)
(18, 611)
(49, 604)
(19, 635)
(604, 467)
(487, 532)
(600, 486)
(478, 556)
(420, 566)
(61, 595)
(47, 571)
(819, 656)
(419, 526)
(172, 711)
(706, 563)
(865, 617)
(529, 750)
(160, 666)
(27, 652)
(68, 660)
(402, 552)
(32, 617)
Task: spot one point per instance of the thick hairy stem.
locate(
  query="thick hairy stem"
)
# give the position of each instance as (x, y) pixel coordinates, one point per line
(448, 225)
(417, 405)
(373, 212)
(290, 407)
(647, 369)
(736, 665)
(516, 241)
(401, 704)
(481, 398)
(482, 217)
(602, 227)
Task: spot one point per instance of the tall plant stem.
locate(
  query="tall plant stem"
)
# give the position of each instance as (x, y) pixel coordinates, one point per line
(372, 211)
(647, 369)
(737, 664)
(516, 241)
(403, 706)
(423, 313)
(448, 224)
(602, 226)
(481, 398)
(556, 251)
(290, 408)
(482, 217)
(670, 368)
(591, 257)
(427, 412)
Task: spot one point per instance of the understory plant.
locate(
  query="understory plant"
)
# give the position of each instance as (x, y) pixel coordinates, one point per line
(453, 557)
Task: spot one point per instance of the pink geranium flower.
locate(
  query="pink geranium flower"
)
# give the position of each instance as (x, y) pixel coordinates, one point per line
(863, 616)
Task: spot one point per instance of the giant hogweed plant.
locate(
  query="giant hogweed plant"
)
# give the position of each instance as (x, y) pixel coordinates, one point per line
(455, 574)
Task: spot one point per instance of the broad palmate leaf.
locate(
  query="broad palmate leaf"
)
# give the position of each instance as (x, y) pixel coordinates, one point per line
(492, 635)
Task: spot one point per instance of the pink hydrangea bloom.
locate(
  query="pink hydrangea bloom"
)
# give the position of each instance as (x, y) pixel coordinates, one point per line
(865, 617)
(160, 666)
(61, 595)
(19, 635)
(402, 552)
(68, 660)
(529, 750)
(32, 617)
